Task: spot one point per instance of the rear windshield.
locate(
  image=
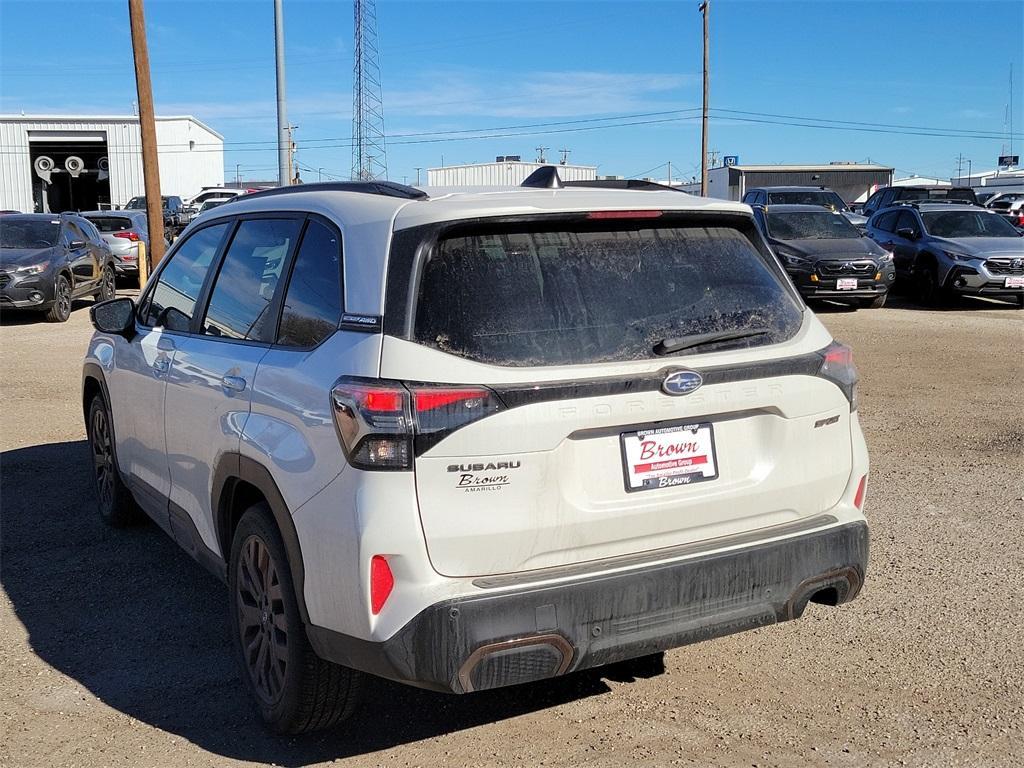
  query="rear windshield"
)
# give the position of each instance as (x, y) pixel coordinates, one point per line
(28, 233)
(825, 198)
(111, 223)
(810, 225)
(533, 298)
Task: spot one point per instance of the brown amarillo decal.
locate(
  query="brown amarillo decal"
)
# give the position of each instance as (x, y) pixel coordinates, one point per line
(483, 477)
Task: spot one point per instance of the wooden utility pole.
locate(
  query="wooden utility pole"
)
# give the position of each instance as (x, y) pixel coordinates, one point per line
(147, 127)
(704, 113)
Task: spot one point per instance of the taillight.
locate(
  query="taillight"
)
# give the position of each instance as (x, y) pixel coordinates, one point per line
(837, 366)
(382, 425)
(382, 581)
(133, 236)
(624, 214)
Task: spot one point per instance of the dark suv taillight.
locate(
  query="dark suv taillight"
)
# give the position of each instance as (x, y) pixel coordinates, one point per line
(837, 366)
(384, 424)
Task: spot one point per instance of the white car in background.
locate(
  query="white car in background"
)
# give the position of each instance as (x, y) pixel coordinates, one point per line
(480, 439)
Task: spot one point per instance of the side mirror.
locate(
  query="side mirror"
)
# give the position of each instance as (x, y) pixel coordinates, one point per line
(907, 233)
(116, 316)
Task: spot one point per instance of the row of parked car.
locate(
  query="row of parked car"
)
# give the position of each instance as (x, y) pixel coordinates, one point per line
(937, 242)
(47, 261)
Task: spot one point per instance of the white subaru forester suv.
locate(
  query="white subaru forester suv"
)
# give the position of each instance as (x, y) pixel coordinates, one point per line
(479, 438)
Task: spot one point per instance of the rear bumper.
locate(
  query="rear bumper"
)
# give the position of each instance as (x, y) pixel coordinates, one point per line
(509, 637)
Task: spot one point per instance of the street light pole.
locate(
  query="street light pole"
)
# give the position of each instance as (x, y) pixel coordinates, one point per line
(283, 134)
(704, 9)
(238, 175)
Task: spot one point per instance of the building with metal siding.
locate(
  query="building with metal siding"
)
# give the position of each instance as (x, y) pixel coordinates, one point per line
(852, 181)
(501, 174)
(190, 154)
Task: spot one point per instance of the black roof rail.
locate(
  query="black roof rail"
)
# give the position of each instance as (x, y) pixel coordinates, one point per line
(545, 177)
(385, 188)
(641, 184)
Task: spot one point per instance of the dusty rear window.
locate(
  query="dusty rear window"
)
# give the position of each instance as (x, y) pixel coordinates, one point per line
(569, 297)
(111, 223)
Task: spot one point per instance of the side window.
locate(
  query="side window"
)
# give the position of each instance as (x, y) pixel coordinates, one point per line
(872, 202)
(749, 198)
(908, 220)
(242, 297)
(887, 221)
(173, 299)
(73, 233)
(312, 305)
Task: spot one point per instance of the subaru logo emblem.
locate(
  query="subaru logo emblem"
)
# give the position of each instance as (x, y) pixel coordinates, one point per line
(681, 382)
(1017, 263)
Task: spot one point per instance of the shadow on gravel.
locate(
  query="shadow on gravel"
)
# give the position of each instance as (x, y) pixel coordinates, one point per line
(133, 619)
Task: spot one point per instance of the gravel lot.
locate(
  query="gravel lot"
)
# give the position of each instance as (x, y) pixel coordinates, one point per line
(114, 645)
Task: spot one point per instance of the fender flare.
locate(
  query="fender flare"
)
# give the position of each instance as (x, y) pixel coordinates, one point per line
(234, 467)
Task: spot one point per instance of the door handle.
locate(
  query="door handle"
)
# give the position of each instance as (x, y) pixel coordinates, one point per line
(232, 383)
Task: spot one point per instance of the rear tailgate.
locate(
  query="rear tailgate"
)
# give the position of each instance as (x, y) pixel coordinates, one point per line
(591, 453)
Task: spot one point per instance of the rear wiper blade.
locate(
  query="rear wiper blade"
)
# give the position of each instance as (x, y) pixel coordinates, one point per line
(668, 346)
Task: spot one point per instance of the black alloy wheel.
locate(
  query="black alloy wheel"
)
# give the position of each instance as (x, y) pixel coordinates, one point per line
(102, 458)
(262, 621)
(927, 285)
(108, 284)
(115, 503)
(61, 309)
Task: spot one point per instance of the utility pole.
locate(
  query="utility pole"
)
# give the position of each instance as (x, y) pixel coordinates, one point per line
(291, 154)
(540, 154)
(960, 168)
(418, 169)
(147, 129)
(704, 10)
(670, 173)
(319, 174)
(283, 133)
(565, 155)
(238, 175)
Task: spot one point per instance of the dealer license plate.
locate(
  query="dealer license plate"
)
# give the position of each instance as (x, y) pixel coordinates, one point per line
(669, 456)
(846, 284)
(1014, 282)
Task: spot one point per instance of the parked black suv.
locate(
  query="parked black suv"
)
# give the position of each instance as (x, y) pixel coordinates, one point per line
(48, 260)
(176, 217)
(826, 256)
(887, 196)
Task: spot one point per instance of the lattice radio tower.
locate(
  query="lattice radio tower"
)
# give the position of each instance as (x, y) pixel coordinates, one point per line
(369, 159)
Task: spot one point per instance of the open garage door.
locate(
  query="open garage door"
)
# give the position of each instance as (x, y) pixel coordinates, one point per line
(70, 170)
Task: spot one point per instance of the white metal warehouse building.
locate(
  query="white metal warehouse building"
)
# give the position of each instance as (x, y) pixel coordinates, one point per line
(502, 173)
(96, 161)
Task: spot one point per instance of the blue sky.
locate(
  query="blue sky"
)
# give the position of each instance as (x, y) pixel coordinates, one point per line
(464, 66)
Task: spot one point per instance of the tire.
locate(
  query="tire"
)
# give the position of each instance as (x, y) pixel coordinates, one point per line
(116, 506)
(108, 284)
(61, 309)
(927, 290)
(294, 689)
(875, 303)
(1020, 301)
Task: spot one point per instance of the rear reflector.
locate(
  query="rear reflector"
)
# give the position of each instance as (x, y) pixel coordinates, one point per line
(382, 581)
(624, 214)
(858, 499)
